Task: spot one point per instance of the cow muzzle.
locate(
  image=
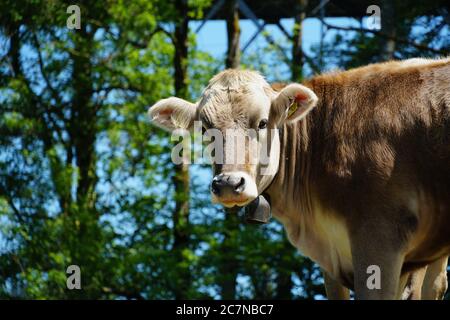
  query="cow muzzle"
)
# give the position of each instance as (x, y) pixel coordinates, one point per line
(233, 189)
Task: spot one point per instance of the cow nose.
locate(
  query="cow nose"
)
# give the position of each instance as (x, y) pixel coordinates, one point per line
(238, 184)
(221, 183)
(215, 187)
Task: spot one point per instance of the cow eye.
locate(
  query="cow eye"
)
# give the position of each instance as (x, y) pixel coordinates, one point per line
(262, 124)
(205, 125)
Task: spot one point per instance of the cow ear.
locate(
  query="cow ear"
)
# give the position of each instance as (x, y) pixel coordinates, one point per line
(293, 102)
(173, 113)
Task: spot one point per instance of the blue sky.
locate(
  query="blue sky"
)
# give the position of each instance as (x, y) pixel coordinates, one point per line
(212, 37)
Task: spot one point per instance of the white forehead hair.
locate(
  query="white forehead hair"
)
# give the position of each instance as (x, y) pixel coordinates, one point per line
(239, 83)
(235, 78)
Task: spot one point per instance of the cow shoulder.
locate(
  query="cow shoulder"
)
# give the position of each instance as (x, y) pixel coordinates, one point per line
(365, 113)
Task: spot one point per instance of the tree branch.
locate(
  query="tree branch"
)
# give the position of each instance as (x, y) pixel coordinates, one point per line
(52, 90)
(158, 29)
(386, 36)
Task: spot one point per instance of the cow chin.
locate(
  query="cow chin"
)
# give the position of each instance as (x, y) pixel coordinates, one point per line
(230, 200)
(234, 203)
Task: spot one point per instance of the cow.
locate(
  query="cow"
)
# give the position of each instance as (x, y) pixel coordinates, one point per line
(359, 164)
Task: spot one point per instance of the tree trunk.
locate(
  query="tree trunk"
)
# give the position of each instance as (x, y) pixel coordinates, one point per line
(233, 35)
(297, 49)
(14, 50)
(82, 128)
(181, 172)
(82, 132)
(388, 26)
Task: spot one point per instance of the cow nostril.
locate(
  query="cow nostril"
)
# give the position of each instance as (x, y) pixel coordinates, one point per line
(215, 187)
(240, 186)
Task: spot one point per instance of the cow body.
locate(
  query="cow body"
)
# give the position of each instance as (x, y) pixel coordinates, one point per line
(360, 163)
(376, 151)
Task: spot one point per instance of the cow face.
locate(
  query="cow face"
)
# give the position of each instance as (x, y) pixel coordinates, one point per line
(242, 113)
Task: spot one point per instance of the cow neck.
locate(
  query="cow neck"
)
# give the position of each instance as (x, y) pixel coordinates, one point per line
(291, 186)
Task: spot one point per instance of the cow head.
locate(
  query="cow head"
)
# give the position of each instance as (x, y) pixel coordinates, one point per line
(243, 113)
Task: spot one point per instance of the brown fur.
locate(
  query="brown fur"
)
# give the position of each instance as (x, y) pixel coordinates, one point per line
(378, 138)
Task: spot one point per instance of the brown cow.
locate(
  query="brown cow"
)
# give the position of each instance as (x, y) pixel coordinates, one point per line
(359, 170)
